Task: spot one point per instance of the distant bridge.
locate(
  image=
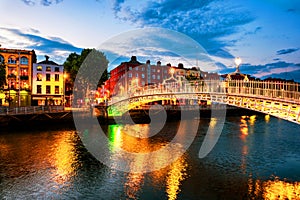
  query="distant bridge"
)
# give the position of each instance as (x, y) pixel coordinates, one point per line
(279, 99)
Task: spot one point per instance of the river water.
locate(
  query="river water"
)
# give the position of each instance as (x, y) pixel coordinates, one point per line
(256, 157)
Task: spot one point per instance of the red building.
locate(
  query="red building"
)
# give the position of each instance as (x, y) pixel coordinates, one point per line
(132, 74)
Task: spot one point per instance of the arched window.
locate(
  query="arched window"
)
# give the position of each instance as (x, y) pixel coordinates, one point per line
(39, 68)
(12, 60)
(1, 59)
(24, 61)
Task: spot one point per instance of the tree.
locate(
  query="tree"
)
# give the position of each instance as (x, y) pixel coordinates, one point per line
(2, 75)
(89, 65)
(75, 61)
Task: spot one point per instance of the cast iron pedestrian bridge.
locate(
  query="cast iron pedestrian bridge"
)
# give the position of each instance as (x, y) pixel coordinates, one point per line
(279, 99)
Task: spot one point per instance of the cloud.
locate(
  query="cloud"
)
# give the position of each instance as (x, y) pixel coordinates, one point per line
(157, 44)
(29, 2)
(52, 46)
(256, 30)
(276, 70)
(287, 51)
(206, 21)
(42, 2)
(291, 10)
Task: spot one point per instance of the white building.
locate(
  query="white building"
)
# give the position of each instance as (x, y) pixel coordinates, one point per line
(47, 83)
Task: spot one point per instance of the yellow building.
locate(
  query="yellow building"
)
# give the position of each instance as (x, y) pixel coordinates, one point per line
(18, 72)
(47, 83)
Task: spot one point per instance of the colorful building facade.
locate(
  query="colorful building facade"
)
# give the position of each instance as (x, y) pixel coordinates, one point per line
(47, 83)
(18, 86)
(132, 74)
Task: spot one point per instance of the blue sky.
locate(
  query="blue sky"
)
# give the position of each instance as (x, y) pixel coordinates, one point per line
(264, 33)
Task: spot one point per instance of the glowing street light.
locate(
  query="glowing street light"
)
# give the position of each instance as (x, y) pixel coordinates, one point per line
(237, 61)
(172, 71)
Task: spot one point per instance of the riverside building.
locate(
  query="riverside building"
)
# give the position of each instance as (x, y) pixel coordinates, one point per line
(18, 64)
(47, 83)
(133, 74)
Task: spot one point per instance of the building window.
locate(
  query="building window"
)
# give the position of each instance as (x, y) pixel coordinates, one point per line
(24, 61)
(24, 72)
(158, 77)
(137, 75)
(39, 68)
(56, 77)
(39, 77)
(143, 83)
(136, 68)
(130, 68)
(48, 69)
(39, 89)
(47, 77)
(56, 89)
(153, 76)
(153, 70)
(143, 68)
(129, 75)
(158, 70)
(12, 60)
(143, 75)
(56, 69)
(48, 89)
(1, 59)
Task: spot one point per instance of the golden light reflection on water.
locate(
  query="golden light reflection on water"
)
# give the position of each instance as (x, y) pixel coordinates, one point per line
(4, 148)
(244, 127)
(133, 184)
(274, 189)
(64, 158)
(267, 118)
(252, 120)
(173, 175)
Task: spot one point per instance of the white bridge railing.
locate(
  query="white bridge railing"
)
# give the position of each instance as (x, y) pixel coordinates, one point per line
(278, 91)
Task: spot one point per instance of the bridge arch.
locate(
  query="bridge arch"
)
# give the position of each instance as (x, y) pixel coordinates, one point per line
(281, 100)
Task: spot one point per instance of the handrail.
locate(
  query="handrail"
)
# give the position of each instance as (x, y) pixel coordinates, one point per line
(280, 91)
(30, 110)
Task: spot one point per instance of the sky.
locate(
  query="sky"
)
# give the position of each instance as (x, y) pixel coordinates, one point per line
(265, 34)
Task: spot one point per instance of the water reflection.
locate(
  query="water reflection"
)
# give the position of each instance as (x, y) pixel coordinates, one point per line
(56, 165)
(36, 163)
(64, 158)
(267, 118)
(173, 175)
(133, 185)
(244, 127)
(273, 189)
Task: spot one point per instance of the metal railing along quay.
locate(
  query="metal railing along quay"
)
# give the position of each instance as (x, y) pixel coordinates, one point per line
(30, 110)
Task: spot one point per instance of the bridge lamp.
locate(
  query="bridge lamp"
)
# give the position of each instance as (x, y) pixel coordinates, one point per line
(172, 71)
(238, 61)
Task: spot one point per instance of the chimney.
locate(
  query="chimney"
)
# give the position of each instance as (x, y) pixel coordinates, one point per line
(158, 63)
(133, 59)
(148, 62)
(47, 58)
(180, 65)
(169, 65)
